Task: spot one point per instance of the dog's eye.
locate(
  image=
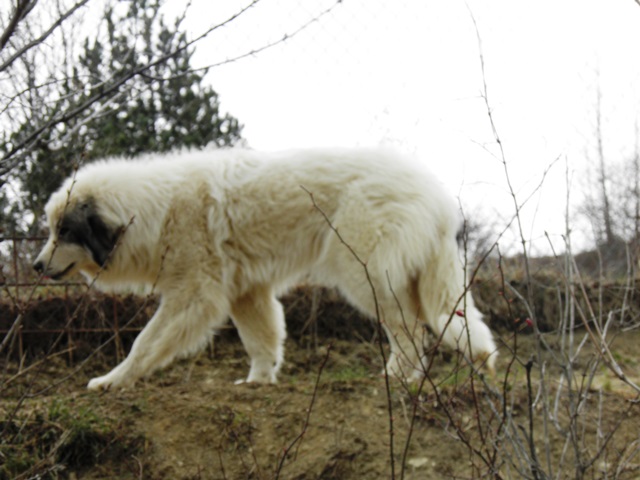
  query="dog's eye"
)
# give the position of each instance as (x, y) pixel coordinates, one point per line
(63, 231)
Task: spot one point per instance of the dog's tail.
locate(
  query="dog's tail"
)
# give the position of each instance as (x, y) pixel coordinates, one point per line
(449, 308)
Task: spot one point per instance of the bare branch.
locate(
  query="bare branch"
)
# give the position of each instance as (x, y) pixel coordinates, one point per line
(285, 37)
(42, 37)
(22, 9)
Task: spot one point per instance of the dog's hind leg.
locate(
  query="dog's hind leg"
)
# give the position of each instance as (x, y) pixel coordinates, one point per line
(397, 309)
(259, 318)
(182, 325)
(452, 315)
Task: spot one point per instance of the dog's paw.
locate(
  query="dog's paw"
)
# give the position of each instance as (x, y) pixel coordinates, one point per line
(106, 382)
(257, 377)
(262, 372)
(99, 383)
(487, 361)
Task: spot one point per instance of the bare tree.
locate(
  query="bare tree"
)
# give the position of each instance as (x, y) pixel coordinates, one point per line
(611, 199)
(602, 175)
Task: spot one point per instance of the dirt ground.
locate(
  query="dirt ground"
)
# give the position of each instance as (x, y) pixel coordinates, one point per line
(328, 418)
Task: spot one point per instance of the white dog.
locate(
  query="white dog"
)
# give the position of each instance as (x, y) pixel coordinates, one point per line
(222, 233)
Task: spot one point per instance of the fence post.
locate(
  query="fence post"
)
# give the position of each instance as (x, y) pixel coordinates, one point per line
(18, 300)
(116, 333)
(16, 274)
(68, 325)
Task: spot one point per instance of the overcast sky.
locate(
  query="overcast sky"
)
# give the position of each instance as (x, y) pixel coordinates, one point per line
(408, 73)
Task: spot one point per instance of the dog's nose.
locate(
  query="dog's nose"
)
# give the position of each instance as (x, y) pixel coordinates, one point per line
(38, 267)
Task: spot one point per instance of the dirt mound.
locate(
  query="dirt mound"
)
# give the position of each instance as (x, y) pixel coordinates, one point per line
(332, 416)
(328, 418)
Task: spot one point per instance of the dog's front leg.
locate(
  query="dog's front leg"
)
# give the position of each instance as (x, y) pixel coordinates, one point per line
(181, 326)
(259, 318)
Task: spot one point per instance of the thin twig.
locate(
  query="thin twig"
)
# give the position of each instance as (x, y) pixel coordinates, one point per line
(518, 222)
(535, 465)
(298, 440)
(378, 320)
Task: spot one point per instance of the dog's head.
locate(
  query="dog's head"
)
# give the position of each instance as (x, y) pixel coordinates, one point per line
(79, 238)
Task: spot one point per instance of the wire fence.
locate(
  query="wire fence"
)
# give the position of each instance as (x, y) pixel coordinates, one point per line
(38, 316)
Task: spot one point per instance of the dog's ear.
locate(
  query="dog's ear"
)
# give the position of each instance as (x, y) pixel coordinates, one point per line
(84, 226)
(102, 239)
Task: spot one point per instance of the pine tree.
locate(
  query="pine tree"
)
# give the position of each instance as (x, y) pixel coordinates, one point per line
(166, 106)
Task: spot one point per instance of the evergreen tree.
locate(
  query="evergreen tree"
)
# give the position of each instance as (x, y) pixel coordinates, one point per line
(163, 107)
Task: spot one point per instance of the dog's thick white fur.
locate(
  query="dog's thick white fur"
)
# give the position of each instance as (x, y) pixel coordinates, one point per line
(222, 233)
